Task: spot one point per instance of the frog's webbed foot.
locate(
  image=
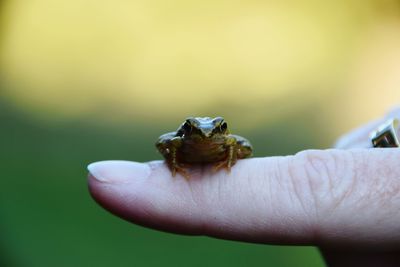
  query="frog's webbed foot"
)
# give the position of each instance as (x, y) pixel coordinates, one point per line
(175, 168)
(223, 164)
(227, 164)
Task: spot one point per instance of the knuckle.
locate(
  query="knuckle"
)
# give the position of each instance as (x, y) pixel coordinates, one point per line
(383, 175)
(325, 178)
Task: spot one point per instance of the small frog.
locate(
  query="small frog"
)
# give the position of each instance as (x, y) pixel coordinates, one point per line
(200, 141)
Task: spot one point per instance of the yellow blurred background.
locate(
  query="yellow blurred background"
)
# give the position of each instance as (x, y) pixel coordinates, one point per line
(89, 80)
(251, 59)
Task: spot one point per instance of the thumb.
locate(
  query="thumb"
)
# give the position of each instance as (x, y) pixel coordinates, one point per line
(317, 197)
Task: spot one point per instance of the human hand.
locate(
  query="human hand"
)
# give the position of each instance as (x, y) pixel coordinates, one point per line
(345, 201)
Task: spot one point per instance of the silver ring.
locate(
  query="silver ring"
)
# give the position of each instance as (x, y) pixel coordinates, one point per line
(387, 135)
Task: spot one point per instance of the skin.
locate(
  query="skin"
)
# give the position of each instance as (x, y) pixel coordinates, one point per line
(202, 140)
(345, 201)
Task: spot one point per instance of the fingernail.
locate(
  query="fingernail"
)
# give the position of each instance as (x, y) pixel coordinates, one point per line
(118, 171)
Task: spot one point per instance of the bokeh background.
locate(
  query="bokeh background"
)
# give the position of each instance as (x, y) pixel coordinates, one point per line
(82, 81)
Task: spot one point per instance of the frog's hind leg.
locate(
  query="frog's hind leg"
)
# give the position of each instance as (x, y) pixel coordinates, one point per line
(243, 147)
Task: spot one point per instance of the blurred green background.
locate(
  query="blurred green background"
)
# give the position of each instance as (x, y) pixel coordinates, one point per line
(82, 81)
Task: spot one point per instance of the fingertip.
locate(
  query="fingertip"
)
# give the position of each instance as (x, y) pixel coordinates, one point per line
(114, 183)
(143, 193)
(118, 171)
(120, 188)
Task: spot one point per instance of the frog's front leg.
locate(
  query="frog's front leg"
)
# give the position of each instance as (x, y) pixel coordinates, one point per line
(231, 156)
(237, 148)
(168, 144)
(175, 144)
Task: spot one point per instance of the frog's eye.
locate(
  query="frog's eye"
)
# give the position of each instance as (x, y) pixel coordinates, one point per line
(223, 127)
(187, 127)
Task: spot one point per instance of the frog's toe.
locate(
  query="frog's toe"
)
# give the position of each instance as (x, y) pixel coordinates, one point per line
(228, 167)
(184, 173)
(220, 165)
(181, 170)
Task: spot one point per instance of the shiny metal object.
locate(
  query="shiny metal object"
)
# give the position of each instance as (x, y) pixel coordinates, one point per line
(387, 135)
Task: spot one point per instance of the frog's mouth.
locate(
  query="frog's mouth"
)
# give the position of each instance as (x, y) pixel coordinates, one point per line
(205, 139)
(205, 133)
(199, 137)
